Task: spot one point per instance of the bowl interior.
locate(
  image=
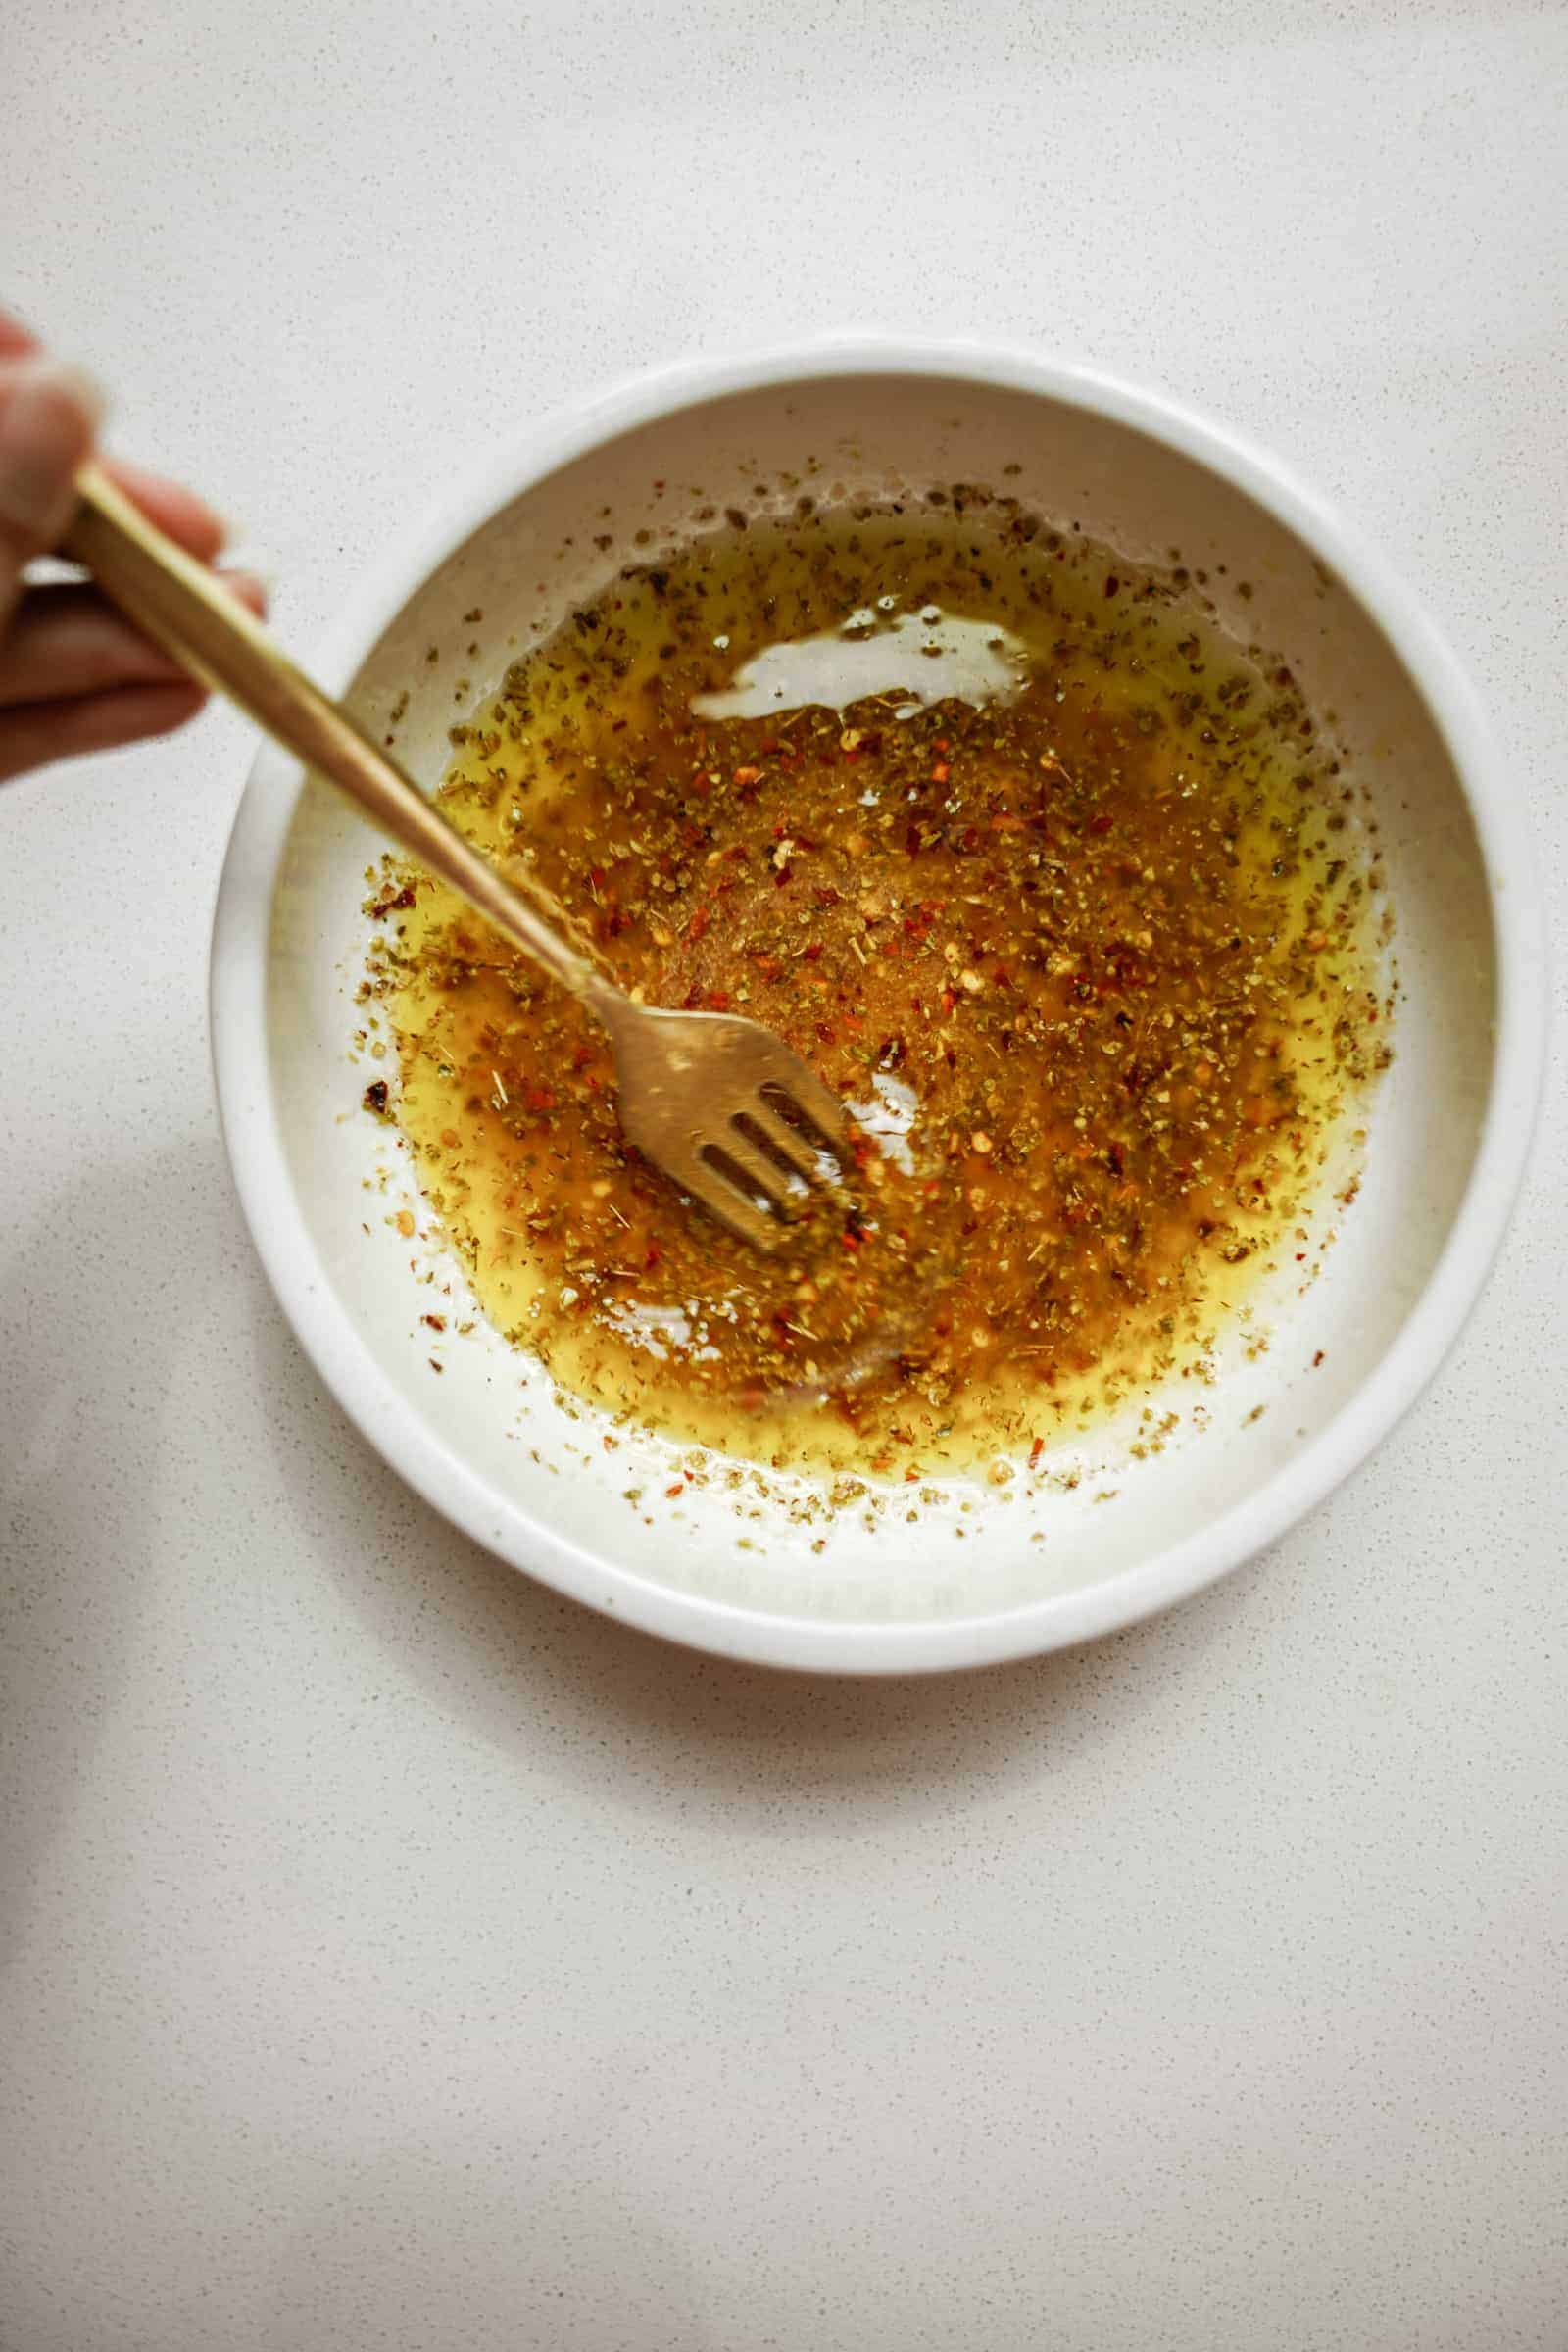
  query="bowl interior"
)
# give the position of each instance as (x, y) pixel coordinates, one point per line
(537, 1479)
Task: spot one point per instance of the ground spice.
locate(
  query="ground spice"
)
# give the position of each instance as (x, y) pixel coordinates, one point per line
(1095, 961)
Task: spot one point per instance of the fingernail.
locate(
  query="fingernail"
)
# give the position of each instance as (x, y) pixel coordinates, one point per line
(47, 424)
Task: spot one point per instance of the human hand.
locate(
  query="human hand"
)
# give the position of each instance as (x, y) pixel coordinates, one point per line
(74, 674)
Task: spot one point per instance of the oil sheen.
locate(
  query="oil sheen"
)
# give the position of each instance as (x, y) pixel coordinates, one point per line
(1065, 893)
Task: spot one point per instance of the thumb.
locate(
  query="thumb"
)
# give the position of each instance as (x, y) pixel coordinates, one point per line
(48, 416)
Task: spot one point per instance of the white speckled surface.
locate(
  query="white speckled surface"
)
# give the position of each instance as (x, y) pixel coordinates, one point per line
(396, 1957)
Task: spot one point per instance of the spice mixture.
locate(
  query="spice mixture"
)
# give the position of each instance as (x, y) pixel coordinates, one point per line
(1059, 889)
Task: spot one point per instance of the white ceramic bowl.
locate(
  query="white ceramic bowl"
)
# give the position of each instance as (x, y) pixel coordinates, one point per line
(985, 1573)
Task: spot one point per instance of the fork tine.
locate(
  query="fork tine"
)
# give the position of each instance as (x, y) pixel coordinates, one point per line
(691, 1084)
(759, 1172)
(731, 1207)
(788, 1141)
(807, 1091)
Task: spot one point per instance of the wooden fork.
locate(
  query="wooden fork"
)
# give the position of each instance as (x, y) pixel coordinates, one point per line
(718, 1102)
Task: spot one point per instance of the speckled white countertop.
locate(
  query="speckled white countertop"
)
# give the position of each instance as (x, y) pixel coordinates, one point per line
(399, 1958)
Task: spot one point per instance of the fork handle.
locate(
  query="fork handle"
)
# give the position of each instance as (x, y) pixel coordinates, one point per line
(182, 605)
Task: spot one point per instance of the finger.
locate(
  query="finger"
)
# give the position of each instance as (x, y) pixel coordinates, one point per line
(187, 519)
(35, 733)
(174, 508)
(14, 338)
(47, 416)
(71, 641)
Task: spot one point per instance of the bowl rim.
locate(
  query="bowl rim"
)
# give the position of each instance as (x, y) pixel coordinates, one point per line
(238, 989)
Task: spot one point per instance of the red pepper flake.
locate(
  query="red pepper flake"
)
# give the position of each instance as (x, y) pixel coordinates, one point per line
(540, 1097)
(1101, 824)
(436, 1322)
(812, 951)
(748, 775)
(941, 772)
(699, 921)
(1036, 1450)
(719, 999)
(679, 1488)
